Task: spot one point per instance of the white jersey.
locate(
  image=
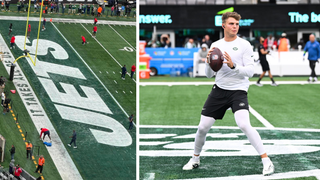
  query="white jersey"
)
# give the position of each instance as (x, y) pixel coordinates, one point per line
(241, 54)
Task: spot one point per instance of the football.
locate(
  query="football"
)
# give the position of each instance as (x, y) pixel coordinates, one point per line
(216, 59)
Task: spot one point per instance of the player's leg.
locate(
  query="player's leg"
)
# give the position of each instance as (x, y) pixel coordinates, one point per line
(312, 67)
(243, 122)
(203, 128)
(261, 76)
(271, 78)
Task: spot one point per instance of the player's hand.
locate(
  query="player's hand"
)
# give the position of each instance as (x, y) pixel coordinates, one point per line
(209, 53)
(228, 60)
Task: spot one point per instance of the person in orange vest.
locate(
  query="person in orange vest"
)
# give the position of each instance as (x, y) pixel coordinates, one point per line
(40, 164)
(45, 132)
(29, 150)
(99, 11)
(283, 43)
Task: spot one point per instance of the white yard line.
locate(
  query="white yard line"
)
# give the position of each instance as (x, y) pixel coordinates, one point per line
(92, 72)
(212, 82)
(228, 127)
(65, 20)
(106, 50)
(122, 37)
(260, 118)
(293, 174)
(57, 151)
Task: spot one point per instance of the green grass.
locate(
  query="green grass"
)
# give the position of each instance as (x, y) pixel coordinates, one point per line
(167, 78)
(100, 61)
(283, 106)
(9, 129)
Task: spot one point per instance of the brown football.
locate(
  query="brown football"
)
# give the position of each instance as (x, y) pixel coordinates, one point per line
(216, 59)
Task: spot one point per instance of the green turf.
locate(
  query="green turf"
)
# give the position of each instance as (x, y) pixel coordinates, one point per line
(292, 106)
(106, 16)
(100, 61)
(87, 160)
(166, 167)
(167, 78)
(9, 129)
(178, 105)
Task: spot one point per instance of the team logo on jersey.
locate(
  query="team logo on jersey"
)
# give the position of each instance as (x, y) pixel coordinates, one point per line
(235, 48)
(241, 104)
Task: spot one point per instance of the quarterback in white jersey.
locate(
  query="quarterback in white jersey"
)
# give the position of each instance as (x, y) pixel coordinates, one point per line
(230, 91)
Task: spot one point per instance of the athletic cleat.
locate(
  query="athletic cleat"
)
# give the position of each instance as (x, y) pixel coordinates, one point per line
(258, 84)
(268, 170)
(75, 147)
(315, 79)
(274, 84)
(192, 164)
(69, 145)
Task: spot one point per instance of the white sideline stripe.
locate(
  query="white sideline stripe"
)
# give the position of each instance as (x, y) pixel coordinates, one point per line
(229, 127)
(149, 176)
(260, 118)
(106, 50)
(93, 73)
(122, 37)
(212, 82)
(65, 20)
(292, 174)
(57, 151)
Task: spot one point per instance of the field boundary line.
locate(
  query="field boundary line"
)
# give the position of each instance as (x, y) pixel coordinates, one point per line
(92, 72)
(122, 37)
(260, 118)
(229, 127)
(292, 174)
(106, 50)
(59, 154)
(212, 82)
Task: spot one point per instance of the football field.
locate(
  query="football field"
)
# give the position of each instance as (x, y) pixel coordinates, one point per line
(74, 87)
(286, 117)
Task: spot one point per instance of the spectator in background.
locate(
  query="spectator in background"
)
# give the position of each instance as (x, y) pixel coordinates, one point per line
(313, 49)
(165, 41)
(202, 53)
(74, 9)
(19, 6)
(44, 24)
(131, 122)
(190, 44)
(133, 69)
(99, 11)
(88, 8)
(80, 9)
(7, 5)
(269, 42)
(17, 171)
(63, 7)
(124, 71)
(284, 43)
(69, 8)
(6, 106)
(112, 10)
(92, 10)
(12, 152)
(206, 40)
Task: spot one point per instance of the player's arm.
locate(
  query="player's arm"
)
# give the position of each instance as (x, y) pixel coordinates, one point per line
(245, 70)
(209, 72)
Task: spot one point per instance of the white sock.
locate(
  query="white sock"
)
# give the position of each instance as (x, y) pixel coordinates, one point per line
(310, 78)
(196, 158)
(265, 161)
(203, 128)
(243, 122)
(315, 78)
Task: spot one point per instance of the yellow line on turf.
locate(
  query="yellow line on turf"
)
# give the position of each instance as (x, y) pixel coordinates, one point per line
(24, 139)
